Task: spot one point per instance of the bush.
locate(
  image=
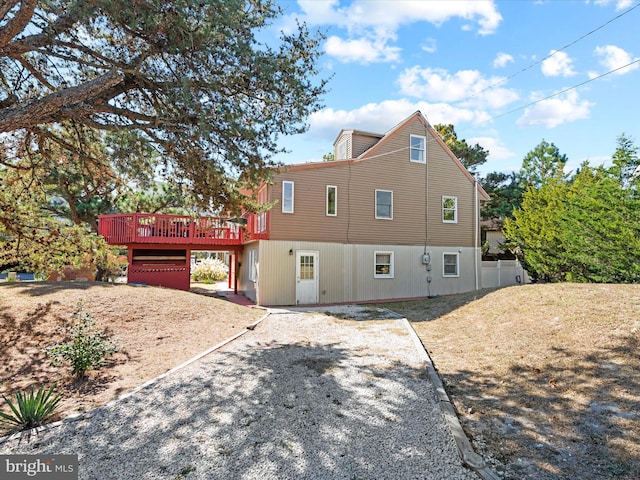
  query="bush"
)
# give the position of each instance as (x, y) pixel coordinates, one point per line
(86, 349)
(209, 270)
(30, 409)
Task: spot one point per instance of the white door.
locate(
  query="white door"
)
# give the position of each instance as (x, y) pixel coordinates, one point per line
(306, 277)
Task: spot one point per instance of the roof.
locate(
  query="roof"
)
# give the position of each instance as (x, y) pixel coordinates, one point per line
(358, 132)
(383, 140)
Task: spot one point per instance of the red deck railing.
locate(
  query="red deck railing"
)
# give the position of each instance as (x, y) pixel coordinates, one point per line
(144, 228)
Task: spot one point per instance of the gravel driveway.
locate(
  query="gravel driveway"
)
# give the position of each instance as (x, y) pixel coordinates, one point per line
(303, 396)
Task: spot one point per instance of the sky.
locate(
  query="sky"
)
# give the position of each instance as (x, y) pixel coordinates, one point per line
(506, 74)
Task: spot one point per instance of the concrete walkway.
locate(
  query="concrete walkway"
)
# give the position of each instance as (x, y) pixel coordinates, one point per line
(305, 395)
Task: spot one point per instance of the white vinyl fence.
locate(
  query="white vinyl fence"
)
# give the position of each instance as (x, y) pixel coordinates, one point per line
(503, 273)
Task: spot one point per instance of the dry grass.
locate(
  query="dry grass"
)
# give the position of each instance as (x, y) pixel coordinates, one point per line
(546, 378)
(156, 328)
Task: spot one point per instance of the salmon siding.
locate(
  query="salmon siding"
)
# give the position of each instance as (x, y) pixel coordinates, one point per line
(394, 215)
(426, 195)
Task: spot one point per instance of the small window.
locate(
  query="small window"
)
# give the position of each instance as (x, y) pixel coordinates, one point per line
(450, 209)
(384, 204)
(287, 197)
(341, 151)
(417, 148)
(383, 265)
(332, 200)
(450, 264)
(253, 265)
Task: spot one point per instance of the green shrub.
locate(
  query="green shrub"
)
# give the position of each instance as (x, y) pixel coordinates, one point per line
(87, 347)
(30, 409)
(209, 270)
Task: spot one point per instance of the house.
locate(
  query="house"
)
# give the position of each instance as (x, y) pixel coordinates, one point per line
(393, 216)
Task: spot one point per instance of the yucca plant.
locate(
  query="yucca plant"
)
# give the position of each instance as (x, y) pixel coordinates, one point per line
(30, 409)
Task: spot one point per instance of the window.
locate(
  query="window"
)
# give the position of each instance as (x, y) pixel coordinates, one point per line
(417, 148)
(384, 204)
(287, 197)
(253, 265)
(261, 223)
(307, 267)
(450, 264)
(341, 151)
(383, 265)
(332, 200)
(450, 209)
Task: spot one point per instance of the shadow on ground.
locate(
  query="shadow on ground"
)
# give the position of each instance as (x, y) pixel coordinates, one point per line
(279, 411)
(547, 429)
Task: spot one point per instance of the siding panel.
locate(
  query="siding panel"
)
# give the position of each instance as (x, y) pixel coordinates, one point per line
(347, 272)
(388, 168)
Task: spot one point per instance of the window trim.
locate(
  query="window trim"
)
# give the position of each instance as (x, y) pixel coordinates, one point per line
(335, 201)
(450, 275)
(455, 209)
(288, 182)
(376, 205)
(391, 264)
(423, 150)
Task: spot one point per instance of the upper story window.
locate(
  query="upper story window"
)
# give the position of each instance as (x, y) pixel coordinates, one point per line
(417, 148)
(384, 204)
(287, 197)
(383, 264)
(332, 200)
(341, 150)
(449, 209)
(450, 264)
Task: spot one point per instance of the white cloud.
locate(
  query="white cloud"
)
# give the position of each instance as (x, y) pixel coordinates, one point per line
(361, 50)
(365, 21)
(559, 64)
(612, 58)
(391, 15)
(555, 111)
(360, 15)
(497, 149)
(620, 4)
(380, 117)
(429, 45)
(465, 85)
(502, 59)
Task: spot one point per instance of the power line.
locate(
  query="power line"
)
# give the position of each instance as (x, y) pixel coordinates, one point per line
(558, 93)
(500, 82)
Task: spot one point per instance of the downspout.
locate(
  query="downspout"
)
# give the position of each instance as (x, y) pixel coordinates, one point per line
(475, 250)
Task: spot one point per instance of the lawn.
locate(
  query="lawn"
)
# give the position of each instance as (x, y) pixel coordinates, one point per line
(156, 329)
(545, 378)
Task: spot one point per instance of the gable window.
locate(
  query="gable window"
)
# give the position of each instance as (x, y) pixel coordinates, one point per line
(383, 265)
(450, 264)
(341, 151)
(384, 204)
(450, 209)
(287, 197)
(332, 200)
(417, 148)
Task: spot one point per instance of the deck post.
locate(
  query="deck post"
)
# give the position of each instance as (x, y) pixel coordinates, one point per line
(235, 273)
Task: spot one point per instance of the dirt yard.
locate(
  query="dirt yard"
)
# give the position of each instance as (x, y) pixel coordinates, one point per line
(545, 378)
(156, 329)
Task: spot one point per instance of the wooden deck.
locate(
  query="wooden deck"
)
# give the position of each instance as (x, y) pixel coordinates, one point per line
(195, 232)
